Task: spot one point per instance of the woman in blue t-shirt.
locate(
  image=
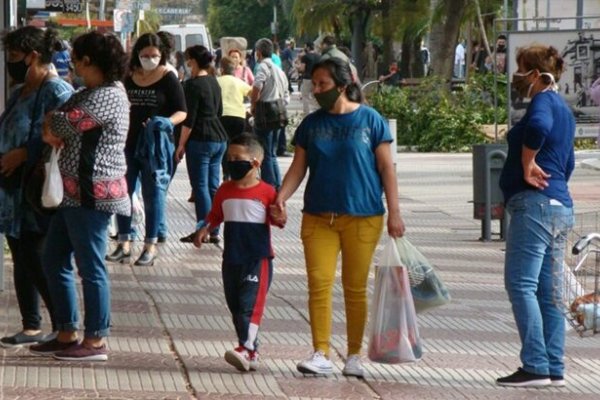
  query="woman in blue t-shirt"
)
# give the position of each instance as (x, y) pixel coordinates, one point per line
(534, 181)
(38, 91)
(346, 147)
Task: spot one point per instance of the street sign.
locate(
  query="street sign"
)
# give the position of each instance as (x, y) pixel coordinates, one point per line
(123, 21)
(66, 6)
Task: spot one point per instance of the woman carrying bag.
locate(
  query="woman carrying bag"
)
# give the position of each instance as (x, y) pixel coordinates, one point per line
(40, 90)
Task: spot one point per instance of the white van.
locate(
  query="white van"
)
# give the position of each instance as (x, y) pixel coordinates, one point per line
(187, 35)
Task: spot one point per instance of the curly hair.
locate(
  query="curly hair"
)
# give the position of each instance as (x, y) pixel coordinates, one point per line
(29, 38)
(104, 51)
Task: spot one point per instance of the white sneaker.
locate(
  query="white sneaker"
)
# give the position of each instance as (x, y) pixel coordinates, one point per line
(239, 358)
(254, 360)
(316, 364)
(353, 366)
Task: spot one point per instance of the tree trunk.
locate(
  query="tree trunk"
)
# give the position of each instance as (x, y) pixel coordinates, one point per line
(417, 68)
(404, 64)
(360, 20)
(445, 29)
(387, 34)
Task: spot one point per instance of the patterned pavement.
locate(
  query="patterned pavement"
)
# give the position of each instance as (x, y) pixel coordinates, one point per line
(171, 326)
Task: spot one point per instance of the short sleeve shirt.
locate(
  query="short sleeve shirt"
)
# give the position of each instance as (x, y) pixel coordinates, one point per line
(340, 150)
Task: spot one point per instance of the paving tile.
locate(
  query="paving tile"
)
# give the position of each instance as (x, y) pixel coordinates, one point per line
(171, 325)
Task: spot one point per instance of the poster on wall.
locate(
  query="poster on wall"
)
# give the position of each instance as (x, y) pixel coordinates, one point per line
(580, 50)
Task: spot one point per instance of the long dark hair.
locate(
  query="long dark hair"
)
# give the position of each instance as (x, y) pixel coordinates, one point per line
(147, 40)
(340, 72)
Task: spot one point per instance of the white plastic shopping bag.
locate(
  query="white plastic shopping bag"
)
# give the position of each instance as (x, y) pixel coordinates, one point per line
(138, 214)
(394, 335)
(52, 191)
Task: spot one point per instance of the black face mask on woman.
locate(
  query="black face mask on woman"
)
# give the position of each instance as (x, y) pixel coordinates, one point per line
(17, 70)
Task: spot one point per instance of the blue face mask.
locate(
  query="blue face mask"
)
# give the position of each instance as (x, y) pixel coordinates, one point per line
(239, 169)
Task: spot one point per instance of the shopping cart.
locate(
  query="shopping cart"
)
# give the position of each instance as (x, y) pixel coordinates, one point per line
(577, 279)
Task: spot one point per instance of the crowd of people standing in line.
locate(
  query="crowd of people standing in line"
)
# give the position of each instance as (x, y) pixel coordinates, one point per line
(119, 132)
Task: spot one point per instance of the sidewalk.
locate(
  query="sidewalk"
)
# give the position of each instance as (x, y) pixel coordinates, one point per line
(171, 326)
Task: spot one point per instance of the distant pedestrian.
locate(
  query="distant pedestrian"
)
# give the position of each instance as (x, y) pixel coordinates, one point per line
(203, 138)
(307, 61)
(241, 70)
(233, 92)
(243, 204)
(156, 96)
(343, 208)
(534, 181)
(269, 97)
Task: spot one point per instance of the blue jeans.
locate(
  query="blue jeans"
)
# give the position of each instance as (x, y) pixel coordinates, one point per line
(154, 194)
(534, 248)
(82, 232)
(203, 161)
(269, 168)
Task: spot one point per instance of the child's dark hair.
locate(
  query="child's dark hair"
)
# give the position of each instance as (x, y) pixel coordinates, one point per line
(147, 40)
(249, 141)
(30, 38)
(104, 51)
(340, 72)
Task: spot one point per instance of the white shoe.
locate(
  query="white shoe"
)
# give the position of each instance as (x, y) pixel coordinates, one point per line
(316, 364)
(254, 361)
(239, 358)
(353, 366)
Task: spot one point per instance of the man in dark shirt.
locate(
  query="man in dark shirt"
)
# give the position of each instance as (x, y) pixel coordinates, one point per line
(307, 61)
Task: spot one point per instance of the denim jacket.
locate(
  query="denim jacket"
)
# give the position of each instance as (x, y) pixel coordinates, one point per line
(155, 149)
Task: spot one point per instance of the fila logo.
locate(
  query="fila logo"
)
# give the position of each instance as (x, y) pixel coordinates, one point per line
(252, 278)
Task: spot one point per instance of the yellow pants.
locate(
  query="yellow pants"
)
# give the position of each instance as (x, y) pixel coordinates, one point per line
(323, 237)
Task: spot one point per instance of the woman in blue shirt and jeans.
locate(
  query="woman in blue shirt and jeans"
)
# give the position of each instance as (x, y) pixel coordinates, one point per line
(534, 181)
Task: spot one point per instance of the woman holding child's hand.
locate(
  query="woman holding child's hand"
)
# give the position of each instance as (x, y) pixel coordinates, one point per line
(343, 210)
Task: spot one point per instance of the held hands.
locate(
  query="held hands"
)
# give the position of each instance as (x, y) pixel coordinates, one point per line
(535, 176)
(278, 213)
(201, 237)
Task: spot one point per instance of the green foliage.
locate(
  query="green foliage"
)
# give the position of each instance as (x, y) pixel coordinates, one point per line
(244, 18)
(432, 118)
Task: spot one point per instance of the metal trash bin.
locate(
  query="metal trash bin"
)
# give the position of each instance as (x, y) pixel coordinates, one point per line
(488, 200)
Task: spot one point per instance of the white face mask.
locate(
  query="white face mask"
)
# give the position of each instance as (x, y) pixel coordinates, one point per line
(149, 63)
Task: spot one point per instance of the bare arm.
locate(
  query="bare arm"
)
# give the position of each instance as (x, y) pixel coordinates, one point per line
(387, 172)
(185, 135)
(254, 96)
(290, 184)
(178, 117)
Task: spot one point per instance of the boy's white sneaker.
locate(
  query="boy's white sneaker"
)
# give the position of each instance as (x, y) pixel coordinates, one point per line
(316, 364)
(239, 358)
(254, 360)
(353, 366)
